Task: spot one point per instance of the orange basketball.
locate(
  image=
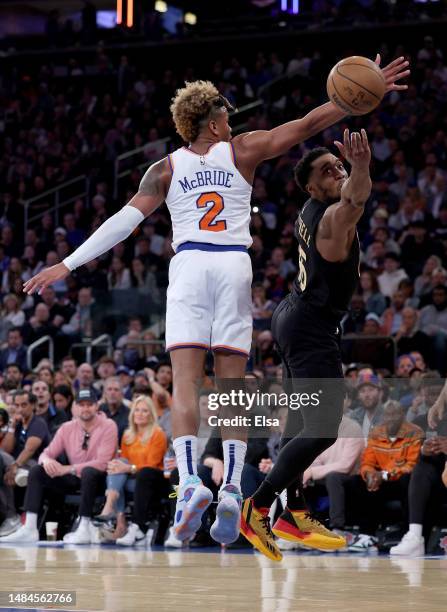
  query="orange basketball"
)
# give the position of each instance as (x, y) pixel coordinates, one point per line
(356, 85)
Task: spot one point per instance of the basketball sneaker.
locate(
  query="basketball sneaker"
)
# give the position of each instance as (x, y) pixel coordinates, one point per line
(225, 528)
(255, 526)
(300, 526)
(193, 498)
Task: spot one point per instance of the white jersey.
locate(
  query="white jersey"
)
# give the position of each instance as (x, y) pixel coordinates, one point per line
(208, 199)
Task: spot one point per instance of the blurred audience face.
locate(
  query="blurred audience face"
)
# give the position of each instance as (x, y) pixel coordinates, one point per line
(46, 375)
(86, 375)
(86, 411)
(393, 417)
(13, 374)
(41, 390)
(69, 368)
(404, 366)
(23, 407)
(418, 359)
(61, 403)
(42, 313)
(369, 396)
(106, 369)
(48, 296)
(398, 300)
(371, 328)
(409, 319)
(14, 339)
(142, 415)
(113, 392)
(164, 375)
(390, 265)
(85, 296)
(440, 298)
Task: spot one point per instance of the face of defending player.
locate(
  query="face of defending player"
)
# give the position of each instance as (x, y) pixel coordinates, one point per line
(327, 178)
(219, 126)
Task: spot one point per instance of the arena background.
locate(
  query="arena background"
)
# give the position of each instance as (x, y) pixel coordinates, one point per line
(84, 110)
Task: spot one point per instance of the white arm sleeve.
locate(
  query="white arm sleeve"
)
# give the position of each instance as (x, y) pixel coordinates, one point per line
(111, 232)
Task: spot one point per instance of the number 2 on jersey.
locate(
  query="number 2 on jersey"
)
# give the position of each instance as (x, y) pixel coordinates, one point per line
(302, 275)
(208, 222)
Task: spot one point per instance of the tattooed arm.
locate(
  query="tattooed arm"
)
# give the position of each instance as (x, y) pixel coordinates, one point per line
(151, 193)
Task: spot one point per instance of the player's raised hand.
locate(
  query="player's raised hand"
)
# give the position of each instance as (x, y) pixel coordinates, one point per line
(395, 71)
(355, 148)
(45, 278)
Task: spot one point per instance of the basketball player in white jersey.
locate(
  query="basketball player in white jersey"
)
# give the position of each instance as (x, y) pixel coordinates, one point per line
(207, 188)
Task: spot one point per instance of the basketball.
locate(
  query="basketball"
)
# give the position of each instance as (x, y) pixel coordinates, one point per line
(356, 85)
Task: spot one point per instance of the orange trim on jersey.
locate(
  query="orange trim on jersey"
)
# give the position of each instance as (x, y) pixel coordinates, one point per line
(225, 347)
(181, 345)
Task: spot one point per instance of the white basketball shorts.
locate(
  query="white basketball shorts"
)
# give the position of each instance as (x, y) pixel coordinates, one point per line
(209, 301)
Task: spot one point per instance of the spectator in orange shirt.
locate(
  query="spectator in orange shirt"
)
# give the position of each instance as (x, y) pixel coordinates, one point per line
(392, 452)
(138, 470)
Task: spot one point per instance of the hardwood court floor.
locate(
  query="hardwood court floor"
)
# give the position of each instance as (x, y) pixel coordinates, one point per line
(132, 580)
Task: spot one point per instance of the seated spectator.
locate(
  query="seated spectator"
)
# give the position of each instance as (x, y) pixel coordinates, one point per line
(113, 406)
(119, 275)
(144, 280)
(11, 315)
(262, 308)
(433, 322)
(427, 490)
(392, 317)
(106, 368)
(369, 290)
(423, 284)
(15, 351)
(391, 276)
(354, 320)
(409, 337)
(89, 442)
(368, 410)
(26, 437)
(139, 470)
(125, 376)
(69, 368)
(45, 409)
(46, 374)
(371, 327)
(387, 462)
(85, 378)
(334, 466)
(13, 374)
(80, 323)
(429, 391)
(63, 399)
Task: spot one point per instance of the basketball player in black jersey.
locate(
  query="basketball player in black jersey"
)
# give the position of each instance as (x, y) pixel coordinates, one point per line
(306, 329)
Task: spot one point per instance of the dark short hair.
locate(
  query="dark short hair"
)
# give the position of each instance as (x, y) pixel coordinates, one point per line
(304, 168)
(14, 365)
(15, 329)
(69, 358)
(31, 397)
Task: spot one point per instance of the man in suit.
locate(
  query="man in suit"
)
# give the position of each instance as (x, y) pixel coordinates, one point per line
(15, 352)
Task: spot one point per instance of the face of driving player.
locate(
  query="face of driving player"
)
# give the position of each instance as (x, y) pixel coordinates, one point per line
(327, 178)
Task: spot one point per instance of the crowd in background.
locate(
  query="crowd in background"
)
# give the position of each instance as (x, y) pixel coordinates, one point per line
(396, 328)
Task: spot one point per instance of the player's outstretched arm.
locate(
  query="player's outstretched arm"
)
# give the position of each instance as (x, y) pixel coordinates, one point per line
(150, 195)
(255, 147)
(337, 226)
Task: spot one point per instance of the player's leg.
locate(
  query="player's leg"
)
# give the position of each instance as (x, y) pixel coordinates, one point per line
(192, 497)
(189, 315)
(230, 371)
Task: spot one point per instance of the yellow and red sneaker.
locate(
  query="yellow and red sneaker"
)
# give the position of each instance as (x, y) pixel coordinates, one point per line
(300, 526)
(255, 526)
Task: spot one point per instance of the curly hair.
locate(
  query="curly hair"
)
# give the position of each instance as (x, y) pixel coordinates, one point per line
(193, 105)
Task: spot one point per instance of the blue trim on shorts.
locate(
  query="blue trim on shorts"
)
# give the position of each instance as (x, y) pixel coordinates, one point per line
(207, 246)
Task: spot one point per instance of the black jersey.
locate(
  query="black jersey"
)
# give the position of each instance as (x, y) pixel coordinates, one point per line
(321, 283)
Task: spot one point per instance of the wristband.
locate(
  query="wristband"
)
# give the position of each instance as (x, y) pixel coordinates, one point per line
(385, 475)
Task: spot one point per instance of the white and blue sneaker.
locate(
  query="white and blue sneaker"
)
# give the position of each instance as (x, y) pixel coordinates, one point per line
(193, 498)
(225, 528)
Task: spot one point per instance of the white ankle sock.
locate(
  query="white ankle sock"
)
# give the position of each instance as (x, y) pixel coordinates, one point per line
(185, 449)
(84, 522)
(234, 458)
(31, 520)
(416, 530)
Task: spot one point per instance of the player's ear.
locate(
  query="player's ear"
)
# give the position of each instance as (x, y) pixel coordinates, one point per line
(213, 127)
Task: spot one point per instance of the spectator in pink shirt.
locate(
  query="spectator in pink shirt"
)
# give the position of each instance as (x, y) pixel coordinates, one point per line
(89, 442)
